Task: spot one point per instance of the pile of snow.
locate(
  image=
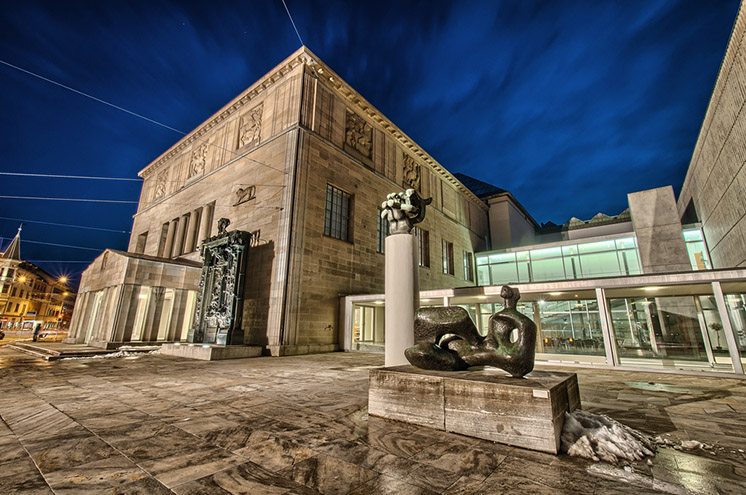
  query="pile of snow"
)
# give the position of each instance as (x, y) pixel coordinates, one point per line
(138, 348)
(598, 437)
(118, 354)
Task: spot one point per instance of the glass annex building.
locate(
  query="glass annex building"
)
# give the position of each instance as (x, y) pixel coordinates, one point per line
(594, 305)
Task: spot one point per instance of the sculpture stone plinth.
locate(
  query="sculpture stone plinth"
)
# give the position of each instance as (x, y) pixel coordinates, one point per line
(211, 352)
(525, 412)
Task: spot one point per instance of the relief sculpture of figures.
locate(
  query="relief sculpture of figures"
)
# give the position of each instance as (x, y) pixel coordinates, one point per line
(359, 134)
(411, 171)
(199, 159)
(403, 210)
(446, 339)
(251, 127)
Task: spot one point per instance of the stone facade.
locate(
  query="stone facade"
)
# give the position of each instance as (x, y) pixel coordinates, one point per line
(715, 185)
(658, 230)
(126, 297)
(264, 161)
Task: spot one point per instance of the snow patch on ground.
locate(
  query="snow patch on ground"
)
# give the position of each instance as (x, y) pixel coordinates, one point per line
(118, 354)
(600, 438)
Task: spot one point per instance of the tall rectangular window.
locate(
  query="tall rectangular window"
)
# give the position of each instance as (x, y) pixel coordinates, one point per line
(468, 266)
(162, 241)
(423, 241)
(337, 213)
(383, 231)
(448, 258)
(142, 240)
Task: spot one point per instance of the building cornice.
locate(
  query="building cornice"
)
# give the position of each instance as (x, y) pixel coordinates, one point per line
(356, 100)
(303, 56)
(299, 57)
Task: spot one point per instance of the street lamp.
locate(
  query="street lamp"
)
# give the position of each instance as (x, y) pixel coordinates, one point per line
(63, 279)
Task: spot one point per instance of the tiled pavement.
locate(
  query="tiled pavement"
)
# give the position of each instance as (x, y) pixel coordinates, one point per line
(298, 425)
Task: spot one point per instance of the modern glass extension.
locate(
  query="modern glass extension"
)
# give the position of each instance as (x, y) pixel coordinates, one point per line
(560, 261)
(694, 321)
(580, 259)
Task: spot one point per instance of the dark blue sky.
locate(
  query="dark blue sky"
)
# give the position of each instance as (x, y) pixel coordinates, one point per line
(568, 104)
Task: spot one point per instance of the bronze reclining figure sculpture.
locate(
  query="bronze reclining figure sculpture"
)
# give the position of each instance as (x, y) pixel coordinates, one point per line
(447, 339)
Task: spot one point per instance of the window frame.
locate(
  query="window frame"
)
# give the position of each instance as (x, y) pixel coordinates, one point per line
(447, 251)
(468, 266)
(343, 231)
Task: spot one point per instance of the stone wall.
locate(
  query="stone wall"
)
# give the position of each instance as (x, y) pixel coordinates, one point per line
(110, 294)
(658, 230)
(323, 268)
(245, 175)
(715, 184)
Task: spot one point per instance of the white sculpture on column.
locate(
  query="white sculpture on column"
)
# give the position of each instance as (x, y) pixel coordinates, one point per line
(402, 210)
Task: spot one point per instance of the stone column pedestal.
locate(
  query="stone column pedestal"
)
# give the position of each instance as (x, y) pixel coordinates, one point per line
(402, 296)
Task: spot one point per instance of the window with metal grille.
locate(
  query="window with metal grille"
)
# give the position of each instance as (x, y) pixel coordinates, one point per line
(423, 241)
(383, 231)
(448, 258)
(337, 214)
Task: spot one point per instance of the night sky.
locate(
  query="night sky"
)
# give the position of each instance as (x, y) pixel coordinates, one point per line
(568, 104)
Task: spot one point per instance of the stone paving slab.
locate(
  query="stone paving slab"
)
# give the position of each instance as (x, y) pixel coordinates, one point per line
(299, 425)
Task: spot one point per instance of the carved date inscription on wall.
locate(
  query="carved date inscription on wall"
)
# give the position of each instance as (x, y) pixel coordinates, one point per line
(411, 177)
(250, 128)
(359, 134)
(244, 194)
(198, 161)
(160, 186)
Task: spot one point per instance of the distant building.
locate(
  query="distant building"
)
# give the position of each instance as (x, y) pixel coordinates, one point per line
(29, 295)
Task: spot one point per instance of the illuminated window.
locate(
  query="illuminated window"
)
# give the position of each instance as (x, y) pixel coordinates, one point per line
(468, 266)
(448, 258)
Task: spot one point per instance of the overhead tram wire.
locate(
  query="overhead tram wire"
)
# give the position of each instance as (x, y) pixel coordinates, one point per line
(81, 200)
(293, 23)
(57, 176)
(71, 246)
(22, 220)
(134, 114)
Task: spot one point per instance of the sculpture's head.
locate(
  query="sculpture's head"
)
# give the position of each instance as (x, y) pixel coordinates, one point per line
(511, 295)
(223, 225)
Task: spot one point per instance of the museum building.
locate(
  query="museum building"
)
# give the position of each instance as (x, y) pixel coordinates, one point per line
(303, 162)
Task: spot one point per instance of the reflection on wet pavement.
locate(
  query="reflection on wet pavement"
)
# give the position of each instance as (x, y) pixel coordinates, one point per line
(299, 425)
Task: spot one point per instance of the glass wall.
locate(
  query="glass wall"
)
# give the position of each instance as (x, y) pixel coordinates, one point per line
(368, 328)
(672, 328)
(563, 327)
(737, 313)
(696, 248)
(605, 258)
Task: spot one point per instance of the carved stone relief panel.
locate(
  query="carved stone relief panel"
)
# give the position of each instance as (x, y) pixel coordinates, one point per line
(359, 134)
(160, 185)
(411, 173)
(244, 194)
(250, 127)
(198, 161)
